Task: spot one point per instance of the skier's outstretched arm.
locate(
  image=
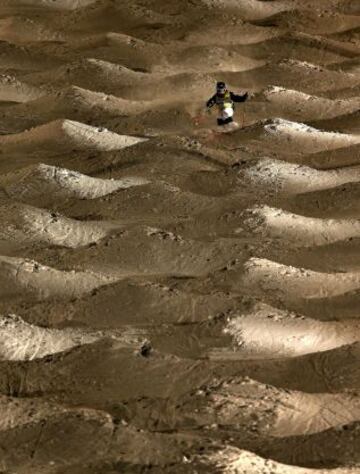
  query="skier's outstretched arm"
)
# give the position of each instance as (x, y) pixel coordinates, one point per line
(211, 102)
(239, 98)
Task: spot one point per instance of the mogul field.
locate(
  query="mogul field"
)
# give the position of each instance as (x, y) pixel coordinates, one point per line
(179, 236)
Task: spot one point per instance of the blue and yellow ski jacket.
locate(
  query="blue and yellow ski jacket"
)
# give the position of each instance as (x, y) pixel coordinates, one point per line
(227, 100)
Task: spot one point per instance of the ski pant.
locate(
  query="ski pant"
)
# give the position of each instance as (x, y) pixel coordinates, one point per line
(226, 116)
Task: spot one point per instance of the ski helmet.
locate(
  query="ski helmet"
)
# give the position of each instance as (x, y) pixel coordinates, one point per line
(220, 87)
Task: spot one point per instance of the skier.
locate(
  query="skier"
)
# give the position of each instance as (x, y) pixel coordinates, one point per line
(225, 99)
